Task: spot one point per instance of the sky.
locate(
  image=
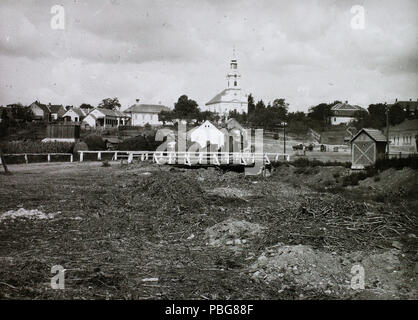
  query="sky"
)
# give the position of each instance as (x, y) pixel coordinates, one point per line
(304, 51)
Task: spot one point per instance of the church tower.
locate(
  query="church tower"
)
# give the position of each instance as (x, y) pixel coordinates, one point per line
(233, 76)
(232, 98)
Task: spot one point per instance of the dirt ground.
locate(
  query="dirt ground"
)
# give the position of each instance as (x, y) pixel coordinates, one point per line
(143, 231)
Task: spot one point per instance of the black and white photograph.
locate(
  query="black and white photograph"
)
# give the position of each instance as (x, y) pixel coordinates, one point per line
(206, 151)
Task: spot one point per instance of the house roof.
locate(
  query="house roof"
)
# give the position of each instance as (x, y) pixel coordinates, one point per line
(232, 123)
(408, 105)
(146, 108)
(77, 111)
(406, 125)
(111, 113)
(375, 134)
(90, 115)
(345, 110)
(44, 107)
(55, 108)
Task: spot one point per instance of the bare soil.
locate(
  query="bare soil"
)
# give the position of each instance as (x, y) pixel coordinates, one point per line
(201, 234)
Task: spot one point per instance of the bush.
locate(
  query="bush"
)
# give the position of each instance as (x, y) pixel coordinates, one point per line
(397, 163)
(354, 178)
(143, 142)
(37, 147)
(95, 142)
(305, 162)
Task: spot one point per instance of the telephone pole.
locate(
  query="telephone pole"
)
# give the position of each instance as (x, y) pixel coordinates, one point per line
(387, 130)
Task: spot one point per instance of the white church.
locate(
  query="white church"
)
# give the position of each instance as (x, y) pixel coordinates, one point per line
(231, 98)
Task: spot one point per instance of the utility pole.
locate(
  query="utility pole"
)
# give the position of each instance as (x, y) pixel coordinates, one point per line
(387, 130)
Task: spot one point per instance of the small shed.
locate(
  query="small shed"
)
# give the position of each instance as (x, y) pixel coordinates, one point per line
(206, 134)
(367, 146)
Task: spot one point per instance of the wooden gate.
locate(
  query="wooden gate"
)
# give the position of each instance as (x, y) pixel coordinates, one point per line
(364, 153)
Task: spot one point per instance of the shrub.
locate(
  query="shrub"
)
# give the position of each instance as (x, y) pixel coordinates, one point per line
(398, 163)
(305, 162)
(142, 142)
(37, 147)
(95, 142)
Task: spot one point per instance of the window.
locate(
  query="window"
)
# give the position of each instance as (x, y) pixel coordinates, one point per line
(235, 83)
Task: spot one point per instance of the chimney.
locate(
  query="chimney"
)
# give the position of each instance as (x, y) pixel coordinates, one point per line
(137, 100)
(410, 99)
(346, 101)
(396, 100)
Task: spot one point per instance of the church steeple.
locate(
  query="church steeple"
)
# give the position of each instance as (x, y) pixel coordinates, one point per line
(233, 76)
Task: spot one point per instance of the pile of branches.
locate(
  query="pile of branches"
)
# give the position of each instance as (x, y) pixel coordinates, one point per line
(175, 189)
(359, 219)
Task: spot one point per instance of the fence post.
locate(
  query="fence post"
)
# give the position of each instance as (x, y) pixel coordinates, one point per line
(49, 157)
(26, 158)
(81, 156)
(99, 155)
(116, 156)
(71, 158)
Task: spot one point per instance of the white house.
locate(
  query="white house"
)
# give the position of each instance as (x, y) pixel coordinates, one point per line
(344, 113)
(205, 133)
(142, 114)
(74, 115)
(232, 98)
(101, 117)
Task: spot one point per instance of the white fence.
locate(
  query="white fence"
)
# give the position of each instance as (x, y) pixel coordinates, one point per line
(191, 158)
(48, 155)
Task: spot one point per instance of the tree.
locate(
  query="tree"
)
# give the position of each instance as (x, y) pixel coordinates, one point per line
(377, 116)
(207, 115)
(86, 106)
(396, 114)
(320, 112)
(280, 108)
(110, 103)
(251, 105)
(186, 108)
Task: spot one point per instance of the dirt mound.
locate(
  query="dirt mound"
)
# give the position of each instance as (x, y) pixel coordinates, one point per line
(175, 188)
(393, 181)
(317, 270)
(232, 232)
(301, 265)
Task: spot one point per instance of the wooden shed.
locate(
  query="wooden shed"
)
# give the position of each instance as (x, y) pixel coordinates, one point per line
(367, 146)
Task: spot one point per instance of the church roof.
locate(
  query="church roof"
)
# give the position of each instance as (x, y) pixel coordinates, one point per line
(146, 108)
(225, 96)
